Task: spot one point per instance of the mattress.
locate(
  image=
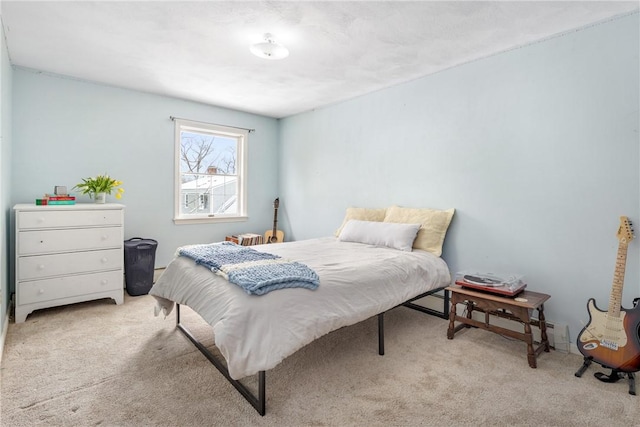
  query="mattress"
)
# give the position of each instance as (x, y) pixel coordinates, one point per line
(255, 333)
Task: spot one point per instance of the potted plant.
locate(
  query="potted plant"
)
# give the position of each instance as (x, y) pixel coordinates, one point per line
(97, 188)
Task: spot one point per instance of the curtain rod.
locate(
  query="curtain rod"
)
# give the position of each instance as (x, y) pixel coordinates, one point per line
(215, 124)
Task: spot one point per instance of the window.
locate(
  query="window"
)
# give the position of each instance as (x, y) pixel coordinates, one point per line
(210, 172)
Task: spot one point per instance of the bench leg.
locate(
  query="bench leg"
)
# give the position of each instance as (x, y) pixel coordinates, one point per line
(452, 320)
(531, 355)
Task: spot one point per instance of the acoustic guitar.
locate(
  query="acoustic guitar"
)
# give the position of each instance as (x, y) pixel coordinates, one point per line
(274, 235)
(612, 338)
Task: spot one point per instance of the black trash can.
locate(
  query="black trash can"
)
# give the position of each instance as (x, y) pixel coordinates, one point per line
(139, 263)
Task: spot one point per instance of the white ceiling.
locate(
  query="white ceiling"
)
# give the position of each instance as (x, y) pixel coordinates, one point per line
(338, 50)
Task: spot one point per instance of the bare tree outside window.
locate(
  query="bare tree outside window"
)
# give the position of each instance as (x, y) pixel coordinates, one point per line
(200, 152)
(209, 175)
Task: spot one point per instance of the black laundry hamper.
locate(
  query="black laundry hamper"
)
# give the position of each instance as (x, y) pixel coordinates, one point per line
(139, 263)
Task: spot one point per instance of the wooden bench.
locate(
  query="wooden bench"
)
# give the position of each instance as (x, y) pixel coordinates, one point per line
(511, 308)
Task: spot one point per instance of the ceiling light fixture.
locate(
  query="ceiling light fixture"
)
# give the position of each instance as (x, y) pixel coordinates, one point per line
(269, 49)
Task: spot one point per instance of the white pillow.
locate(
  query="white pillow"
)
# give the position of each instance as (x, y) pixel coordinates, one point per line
(434, 225)
(362, 214)
(392, 235)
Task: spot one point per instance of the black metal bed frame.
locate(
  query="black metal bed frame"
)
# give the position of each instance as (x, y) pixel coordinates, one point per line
(259, 401)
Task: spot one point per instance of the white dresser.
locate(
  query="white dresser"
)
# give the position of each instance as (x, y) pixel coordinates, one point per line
(67, 254)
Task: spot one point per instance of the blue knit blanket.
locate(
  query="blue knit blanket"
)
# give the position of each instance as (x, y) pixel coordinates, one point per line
(255, 272)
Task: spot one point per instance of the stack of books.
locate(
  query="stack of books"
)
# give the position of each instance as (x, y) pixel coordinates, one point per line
(246, 239)
(250, 239)
(56, 199)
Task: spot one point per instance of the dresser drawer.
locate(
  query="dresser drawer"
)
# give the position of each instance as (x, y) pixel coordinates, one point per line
(65, 287)
(41, 266)
(49, 241)
(62, 219)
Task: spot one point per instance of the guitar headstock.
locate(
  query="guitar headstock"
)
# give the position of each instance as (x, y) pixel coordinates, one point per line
(276, 202)
(625, 231)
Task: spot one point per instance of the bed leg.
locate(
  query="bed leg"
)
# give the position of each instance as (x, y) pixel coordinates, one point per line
(261, 405)
(258, 402)
(381, 334)
(445, 307)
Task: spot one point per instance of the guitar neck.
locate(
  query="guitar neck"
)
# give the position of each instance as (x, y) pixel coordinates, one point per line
(275, 220)
(615, 299)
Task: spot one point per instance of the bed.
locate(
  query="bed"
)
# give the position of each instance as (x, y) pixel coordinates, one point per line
(255, 333)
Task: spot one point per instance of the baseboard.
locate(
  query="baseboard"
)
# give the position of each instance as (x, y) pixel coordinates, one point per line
(157, 273)
(574, 349)
(5, 329)
(557, 333)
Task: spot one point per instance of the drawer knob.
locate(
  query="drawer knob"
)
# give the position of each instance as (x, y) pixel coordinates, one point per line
(104, 281)
(41, 267)
(41, 220)
(103, 260)
(104, 237)
(40, 291)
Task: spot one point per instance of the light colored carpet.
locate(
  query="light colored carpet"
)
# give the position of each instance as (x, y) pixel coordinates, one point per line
(100, 364)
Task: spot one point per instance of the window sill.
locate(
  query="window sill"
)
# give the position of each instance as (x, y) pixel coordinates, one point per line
(210, 220)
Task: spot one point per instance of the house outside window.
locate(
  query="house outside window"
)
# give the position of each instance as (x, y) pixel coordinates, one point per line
(210, 178)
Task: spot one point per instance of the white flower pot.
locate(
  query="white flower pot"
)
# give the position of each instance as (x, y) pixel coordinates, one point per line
(100, 197)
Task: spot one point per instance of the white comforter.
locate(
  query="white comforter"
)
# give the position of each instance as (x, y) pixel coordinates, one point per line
(255, 333)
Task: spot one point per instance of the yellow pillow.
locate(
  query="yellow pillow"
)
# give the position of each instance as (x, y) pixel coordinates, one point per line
(434, 225)
(362, 214)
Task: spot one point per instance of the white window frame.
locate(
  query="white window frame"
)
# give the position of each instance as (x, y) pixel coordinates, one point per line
(242, 136)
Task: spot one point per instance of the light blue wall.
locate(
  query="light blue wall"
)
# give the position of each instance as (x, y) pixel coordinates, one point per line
(65, 130)
(537, 149)
(5, 176)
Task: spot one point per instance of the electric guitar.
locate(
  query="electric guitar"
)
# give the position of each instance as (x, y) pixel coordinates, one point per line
(274, 236)
(612, 338)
